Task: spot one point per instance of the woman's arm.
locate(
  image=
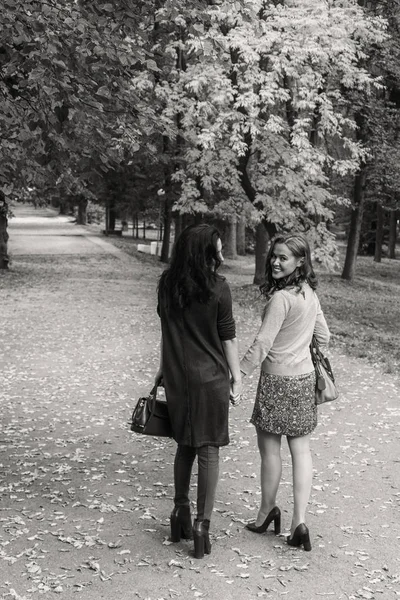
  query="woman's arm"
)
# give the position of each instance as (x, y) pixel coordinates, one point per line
(231, 351)
(227, 334)
(274, 316)
(159, 374)
(321, 330)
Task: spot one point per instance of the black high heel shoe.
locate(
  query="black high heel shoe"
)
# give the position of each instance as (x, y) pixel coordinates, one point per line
(181, 524)
(273, 515)
(202, 544)
(301, 536)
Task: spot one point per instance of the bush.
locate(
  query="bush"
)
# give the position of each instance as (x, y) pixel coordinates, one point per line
(94, 213)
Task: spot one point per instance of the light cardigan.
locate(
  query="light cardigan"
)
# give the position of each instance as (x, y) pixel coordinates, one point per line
(281, 346)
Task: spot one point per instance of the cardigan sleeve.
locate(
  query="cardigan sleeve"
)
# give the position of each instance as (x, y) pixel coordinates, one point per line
(321, 330)
(225, 321)
(275, 313)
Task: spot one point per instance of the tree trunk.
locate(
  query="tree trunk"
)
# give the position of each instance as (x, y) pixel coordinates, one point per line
(393, 233)
(247, 185)
(81, 218)
(3, 239)
(134, 225)
(187, 220)
(106, 218)
(167, 219)
(353, 241)
(112, 217)
(178, 225)
(168, 198)
(379, 233)
(261, 253)
(230, 241)
(241, 236)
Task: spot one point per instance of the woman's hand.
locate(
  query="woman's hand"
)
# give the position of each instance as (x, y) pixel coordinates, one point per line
(236, 392)
(158, 379)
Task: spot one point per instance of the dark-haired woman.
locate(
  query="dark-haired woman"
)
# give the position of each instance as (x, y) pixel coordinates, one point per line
(285, 399)
(199, 358)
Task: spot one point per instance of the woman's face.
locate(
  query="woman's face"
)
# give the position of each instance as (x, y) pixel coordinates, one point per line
(283, 261)
(219, 250)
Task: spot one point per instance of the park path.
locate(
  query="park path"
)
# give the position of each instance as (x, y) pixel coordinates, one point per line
(84, 504)
(44, 232)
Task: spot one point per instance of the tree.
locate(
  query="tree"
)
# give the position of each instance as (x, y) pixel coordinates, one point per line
(68, 110)
(3, 232)
(393, 219)
(263, 99)
(355, 225)
(234, 105)
(261, 254)
(378, 119)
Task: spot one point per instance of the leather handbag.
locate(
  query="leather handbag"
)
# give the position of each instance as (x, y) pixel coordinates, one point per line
(150, 416)
(325, 387)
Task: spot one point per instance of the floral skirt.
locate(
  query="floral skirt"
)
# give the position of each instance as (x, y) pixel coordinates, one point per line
(285, 404)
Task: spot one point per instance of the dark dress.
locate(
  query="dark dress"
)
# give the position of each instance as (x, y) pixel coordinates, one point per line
(195, 370)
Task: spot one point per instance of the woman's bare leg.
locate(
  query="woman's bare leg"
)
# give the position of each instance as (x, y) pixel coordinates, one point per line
(302, 477)
(269, 445)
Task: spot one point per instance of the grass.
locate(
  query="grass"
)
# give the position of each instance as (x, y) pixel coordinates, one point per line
(363, 315)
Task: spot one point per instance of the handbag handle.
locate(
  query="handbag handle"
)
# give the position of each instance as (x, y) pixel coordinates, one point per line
(318, 357)
(153, 395)
(315, 349)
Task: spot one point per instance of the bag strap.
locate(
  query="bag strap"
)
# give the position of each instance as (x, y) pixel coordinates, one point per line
(314, 350)
(319, 358)
(153, 396)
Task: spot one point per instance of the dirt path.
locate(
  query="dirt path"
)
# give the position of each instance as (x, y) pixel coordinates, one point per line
(84, 504)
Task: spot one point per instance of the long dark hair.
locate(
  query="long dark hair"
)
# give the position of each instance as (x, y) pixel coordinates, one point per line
(298, 245)
(192, 271)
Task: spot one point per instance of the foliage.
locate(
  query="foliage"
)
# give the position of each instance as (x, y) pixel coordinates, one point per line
(378, 120)
(4, 211)
(68, 108)
(383, 181)
(245, 107)
(260, 102)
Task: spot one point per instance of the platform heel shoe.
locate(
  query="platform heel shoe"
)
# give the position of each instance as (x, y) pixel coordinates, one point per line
(300, 537)
(202, 544)
(273, 515)
(181, 524)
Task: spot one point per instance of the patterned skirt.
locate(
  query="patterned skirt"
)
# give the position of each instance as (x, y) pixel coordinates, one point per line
(285, 404)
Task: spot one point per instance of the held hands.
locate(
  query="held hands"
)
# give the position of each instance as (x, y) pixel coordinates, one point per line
(236, 392)
(236, 389)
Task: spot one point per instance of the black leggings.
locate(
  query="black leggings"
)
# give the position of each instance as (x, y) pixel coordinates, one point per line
(208, 471)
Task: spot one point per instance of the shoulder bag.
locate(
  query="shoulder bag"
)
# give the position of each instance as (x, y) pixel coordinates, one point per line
(325, 387)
